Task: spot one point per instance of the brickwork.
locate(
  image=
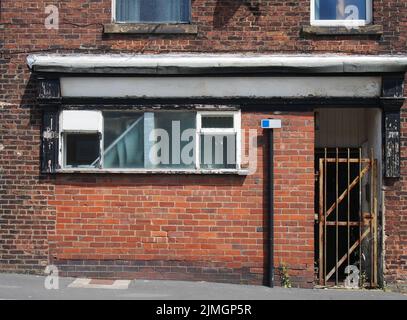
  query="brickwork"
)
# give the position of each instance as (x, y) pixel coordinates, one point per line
(149, 222)
(395, 217)
(216, 223)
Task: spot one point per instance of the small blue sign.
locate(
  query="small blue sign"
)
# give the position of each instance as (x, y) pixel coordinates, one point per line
(271, 123)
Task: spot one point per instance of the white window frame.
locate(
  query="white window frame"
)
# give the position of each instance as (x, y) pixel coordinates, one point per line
(235, 130)
(199, 130)
(98, 129)
(114, 11)
(114, 20)
(343, 23)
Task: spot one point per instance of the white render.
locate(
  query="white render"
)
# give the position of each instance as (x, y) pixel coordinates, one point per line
(82, 120)
(220, 87)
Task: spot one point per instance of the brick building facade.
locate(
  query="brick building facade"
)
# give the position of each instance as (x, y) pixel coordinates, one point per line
(178, 225)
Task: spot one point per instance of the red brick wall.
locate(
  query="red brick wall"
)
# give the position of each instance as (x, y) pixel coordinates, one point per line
(27, 218)
(227, 25)
(294, 196)
(395, 223)
(186, 226)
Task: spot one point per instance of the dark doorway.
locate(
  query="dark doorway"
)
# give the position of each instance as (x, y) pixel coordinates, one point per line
(345, 228)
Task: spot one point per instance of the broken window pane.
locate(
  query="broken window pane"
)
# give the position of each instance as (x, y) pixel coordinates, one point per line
(82, 149)
(123, 140)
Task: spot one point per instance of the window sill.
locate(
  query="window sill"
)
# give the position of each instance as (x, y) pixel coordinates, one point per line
(369, 30)
(150, 28)
(241, 172)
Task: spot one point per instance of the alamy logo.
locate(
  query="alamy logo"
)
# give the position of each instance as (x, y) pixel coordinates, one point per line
(352, 280)
(352, 17)
(52, 20)
(52, 280)
(219, 150)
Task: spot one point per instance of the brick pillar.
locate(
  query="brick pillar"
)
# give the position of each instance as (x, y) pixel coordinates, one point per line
(294, 198)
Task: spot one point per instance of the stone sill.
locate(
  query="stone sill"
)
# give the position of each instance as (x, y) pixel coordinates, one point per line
(150, 28)
(370, 30)
(241, 172)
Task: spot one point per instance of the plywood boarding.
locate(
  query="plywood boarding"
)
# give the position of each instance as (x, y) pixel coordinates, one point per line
(343, 128)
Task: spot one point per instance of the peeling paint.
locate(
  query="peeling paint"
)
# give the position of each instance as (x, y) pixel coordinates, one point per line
(241, 172)
(392, 145)
(174, 63)
(49, 89)
(5, 104)
(220, 87)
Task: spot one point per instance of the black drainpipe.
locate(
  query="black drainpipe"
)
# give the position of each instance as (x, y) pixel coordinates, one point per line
(270, 211)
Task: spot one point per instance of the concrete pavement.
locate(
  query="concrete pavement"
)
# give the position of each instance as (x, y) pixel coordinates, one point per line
(26, 287)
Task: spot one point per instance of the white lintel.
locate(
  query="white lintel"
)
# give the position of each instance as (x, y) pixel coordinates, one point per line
(178, 63)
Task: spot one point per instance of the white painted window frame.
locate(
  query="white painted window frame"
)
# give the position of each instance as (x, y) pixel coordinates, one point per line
(62, 148)
(235, 130)
(343, 23)
(114, 11)
(199, 130)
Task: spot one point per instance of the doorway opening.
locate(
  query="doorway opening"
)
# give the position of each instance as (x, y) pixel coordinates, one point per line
(347, 197)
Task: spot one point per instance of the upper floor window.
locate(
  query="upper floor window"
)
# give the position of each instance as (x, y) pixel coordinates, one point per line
(350, 13)
(152, 11)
